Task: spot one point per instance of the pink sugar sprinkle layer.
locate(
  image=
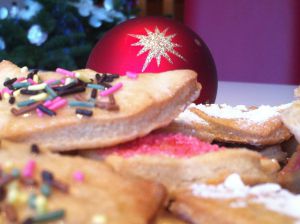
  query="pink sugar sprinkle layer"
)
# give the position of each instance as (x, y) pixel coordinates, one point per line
(174, 145)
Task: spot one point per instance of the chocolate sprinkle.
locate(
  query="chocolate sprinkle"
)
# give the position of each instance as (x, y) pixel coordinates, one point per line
(12, 100)
(47, 176)
(83, 112)
(9, 82)
(77, 89)
(60, 186)
(28, 181)
(29, 92)
(46, 110)
(35, 149)
(94, 94)
(26, 109)
(31, 74)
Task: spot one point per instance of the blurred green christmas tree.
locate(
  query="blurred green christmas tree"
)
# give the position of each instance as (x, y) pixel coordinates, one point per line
(46, 34)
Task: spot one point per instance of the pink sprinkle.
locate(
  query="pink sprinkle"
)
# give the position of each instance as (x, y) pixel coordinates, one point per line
(48, 82)
(65, 72)
(7, 90)
(111, 89)
(47, 103)
(29, 168)
(20, 79)
(78, 176)
(132, 75)
(31, 81)
(58, 104)
(39, 112)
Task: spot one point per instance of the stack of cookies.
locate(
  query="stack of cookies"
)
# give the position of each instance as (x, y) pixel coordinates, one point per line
(83, 147)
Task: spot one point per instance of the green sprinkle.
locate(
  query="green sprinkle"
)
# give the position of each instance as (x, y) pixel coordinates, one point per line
(46, 190)
(15, 172)
(19, 85)
(81, 104)
(31, 200)
(95, 86)
(50, 91)
(50, 216)
(56, 82)
(25, 103)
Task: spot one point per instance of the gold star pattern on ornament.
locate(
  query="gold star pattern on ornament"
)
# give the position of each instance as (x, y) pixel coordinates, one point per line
(158, 45)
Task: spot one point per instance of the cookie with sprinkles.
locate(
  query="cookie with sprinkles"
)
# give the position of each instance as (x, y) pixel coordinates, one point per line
(66, 110)
(35, 189)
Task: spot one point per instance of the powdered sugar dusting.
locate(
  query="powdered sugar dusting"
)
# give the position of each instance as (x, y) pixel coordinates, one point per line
(272, 196)
(189, 117)
(257, 115)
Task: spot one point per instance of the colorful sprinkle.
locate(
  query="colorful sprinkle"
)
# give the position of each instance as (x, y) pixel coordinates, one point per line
(30, 80)
(46, 190)
(95, 86)
(58, 104)
(15, 172)
(19, 85)
(46, 110)
(82, 77)
(60, 186)
(36, 78)
(6, 90)
(47, 176)
(98, 219)
(31, 200)
(12, 196)
(24, 69)
(132, 75)
(34, 149)
(76, 89)
(81, 104)
(12, 100)
(37, 86)
(39, 97)
(26, 103)
(29, 169)
(111, 90)
(41, 204)
(94, 93)
(50, 216)
(20, 79)
(87, 113)
(9, 82)
(29, 92)
(78, 176)
(65, 72)
(50, 91)
(17, 93)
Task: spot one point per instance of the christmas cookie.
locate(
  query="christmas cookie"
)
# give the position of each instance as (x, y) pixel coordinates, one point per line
(66, 110)
(234, 202)
(177, 160)
(47, 188)
(256, 126)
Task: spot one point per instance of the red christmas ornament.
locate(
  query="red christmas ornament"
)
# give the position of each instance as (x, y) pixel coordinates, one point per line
(155, 44)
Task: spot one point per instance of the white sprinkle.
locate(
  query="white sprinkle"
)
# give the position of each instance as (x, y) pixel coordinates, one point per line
(24, 69)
